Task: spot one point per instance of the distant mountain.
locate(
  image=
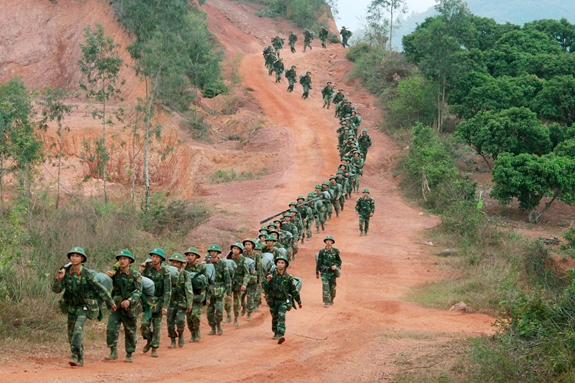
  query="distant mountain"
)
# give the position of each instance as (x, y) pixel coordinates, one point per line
(514, 11)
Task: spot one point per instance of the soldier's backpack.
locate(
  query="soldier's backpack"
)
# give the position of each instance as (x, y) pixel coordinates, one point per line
(267, 262)
(231, 265)
(251, 265)
(312, 34)
(211, 271)
(148, 286)
(199, 282)
(173, 275)
(298, 283)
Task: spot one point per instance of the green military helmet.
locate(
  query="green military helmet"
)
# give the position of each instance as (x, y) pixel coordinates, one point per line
(177, 257)
(292, 203)
(366, 190)
(329, 238)
(300, 197)
(325, 183)
(274, 231)
(253, 241)
(159, 252)
(308, 72)
(329, 82)
(342, 27)
(339, 171)
(312, 194)
(318, 186)
(305, 29)
(192, 250)
(283, 258)
(364, 130)
(332, 178)
(264, 228)
(270, 237)
(294, 210)
(238, 245)
(78, 250)
(287, 214)
(264, 233)
(293, 66)
(126, 253)
(340, 90)
(290, 32)
(281, 59)
(214, 247)
(259, 246)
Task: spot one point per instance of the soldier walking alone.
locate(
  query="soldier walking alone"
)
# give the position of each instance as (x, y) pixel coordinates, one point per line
(328, 265)
(364, 208)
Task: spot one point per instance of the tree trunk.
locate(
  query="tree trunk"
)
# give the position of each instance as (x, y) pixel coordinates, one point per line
(534, 215)
(60, 133)
(104, 156)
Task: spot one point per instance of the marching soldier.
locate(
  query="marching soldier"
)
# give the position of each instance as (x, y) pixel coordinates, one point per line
(345, 35)
(180, 302)
(249, 297)
(291, 76)
(281, 295)
(279, 69)
(307, 38)
(327, 94)
(328, 265)
(126, 294)
(160, 275)
(305, 82)
(82, 291)
(364, 141)
(193, 318)
(222, 287)
(323, 37)
(292, 40)
(364, 208)
(241, 278)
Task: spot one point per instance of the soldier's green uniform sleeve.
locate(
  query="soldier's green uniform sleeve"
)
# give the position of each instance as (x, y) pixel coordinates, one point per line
(259, 268)
(357, 204)
(319, 262)
(227, 280)
(101, 292)
(266, 285)
(246, 273)
(167, 282)
(115, 268)
(372, 205)
(58, 285)
(188, 289)
(337, 258)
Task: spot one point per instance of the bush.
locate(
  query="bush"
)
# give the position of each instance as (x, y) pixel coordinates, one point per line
(357, 51)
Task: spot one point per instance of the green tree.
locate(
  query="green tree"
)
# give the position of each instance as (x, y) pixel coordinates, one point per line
(101, 63)
(556, 101)
(382, 16)
(530, 178)
(412, 103)
(20, 146)
(514, 130)
(54, 108)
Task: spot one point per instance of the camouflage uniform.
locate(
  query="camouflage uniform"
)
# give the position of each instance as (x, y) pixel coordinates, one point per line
(249, 297)
(180, 303)
(78, 288)
(221, 287)
(326, 259)
(306, 212)
(307, 38)
(150, 328)
(270, 60)
(345, 35)
(323, 37)
(193, 318)
(291, 76)
(364, 141)
(364, 207)
(279, 69)
(292, 40)
(127, 286)
(327, 93)
(336, 191)
(278, 290)
(242, 277)
(357, 163)
(305, 82)
(278, 44)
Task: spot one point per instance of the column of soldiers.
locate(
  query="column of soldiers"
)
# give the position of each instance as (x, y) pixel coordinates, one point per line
(182, 290)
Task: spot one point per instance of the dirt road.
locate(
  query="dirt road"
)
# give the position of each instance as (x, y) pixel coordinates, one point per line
(342, 343)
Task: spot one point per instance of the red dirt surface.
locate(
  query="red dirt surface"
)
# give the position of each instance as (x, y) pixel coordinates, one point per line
(342, 343)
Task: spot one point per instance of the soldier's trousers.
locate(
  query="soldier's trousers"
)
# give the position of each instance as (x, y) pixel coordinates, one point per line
(270, 69)
(228, 306)
(336, 206)
(215, 311)
(344, 42)
(193, 318)
(363, 222)
(308, 224)
(117, 318)
(305, 91)
(328, 284)
(306, 44)
(278, 310)
(363, 151)
(249, 297)
(292, 47)
(277, 52)
(323, 43)
(327, 101)
(76, 323)
(329, 210)
(342, 201)
(356, 185)
(150, 328)
(176, 319)
(278, 75)
(291, 82)
(237, 301)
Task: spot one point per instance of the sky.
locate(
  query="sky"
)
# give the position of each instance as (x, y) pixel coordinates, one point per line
(351, 10)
